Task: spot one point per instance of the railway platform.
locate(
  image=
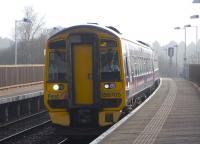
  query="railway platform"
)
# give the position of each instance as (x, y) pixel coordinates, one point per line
(20, 101)
(170, 116)
(20, 92)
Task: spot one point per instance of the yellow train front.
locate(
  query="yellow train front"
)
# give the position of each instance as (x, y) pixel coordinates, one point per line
(81, 90)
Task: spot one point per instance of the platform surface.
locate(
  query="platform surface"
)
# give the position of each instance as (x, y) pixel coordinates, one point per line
(171, 116)
(20, 93)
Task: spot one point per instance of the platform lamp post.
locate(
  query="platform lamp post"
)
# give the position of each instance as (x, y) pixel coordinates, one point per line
(176, 47)
(196, 1)
(25, 20)
(185, 53)
(196, 29)
(196, 17)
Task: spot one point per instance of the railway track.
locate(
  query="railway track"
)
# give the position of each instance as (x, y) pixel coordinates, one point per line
(37, 134)
(15, 127)
(64, 141)
(14, 137)
(22, 119)
(18, 132)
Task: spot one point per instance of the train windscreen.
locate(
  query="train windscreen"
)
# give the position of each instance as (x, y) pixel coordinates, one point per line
(57, 66)
(110, 70)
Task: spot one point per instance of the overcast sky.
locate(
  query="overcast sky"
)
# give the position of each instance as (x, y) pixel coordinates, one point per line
(147, 20)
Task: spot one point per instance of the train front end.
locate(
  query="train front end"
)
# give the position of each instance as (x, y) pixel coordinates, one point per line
(84, 78)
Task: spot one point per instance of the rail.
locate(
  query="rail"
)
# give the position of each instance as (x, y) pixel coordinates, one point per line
(28, 130)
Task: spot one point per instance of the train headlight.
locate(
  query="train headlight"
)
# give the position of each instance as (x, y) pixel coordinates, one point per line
(112, 85)
(109, 86)
(55, 87)
(106, 86)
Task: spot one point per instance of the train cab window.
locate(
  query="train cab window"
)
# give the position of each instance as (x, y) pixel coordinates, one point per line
(110, 70)
(108, 43)
(57, 66)
(57, 44)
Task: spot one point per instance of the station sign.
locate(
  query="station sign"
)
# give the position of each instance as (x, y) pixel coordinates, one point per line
(170, 51)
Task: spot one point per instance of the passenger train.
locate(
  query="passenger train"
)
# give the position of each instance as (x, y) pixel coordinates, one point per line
(93, 75)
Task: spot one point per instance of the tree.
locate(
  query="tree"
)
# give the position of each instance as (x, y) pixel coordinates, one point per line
(31, 27)
(30, 38)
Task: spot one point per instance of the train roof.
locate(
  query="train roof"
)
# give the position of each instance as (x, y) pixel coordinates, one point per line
(108, 29)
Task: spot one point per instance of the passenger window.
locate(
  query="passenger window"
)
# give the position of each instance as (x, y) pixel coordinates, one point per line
(127, 70)
(132, 66)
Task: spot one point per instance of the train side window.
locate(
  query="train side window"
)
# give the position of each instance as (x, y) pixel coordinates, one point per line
(127, 67)
(132, 66)
(139, 61)
(135, 66)
(146, 65)
(138, 65)
(149, 67)
(143, 66)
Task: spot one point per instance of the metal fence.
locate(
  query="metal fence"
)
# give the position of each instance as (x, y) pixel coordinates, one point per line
(20, 74)
(193, 73)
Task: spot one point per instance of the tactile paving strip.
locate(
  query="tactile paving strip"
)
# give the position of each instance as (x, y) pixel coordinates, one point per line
(151, 131)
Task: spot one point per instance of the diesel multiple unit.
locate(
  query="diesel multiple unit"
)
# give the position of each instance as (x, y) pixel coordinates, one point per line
(93, 75)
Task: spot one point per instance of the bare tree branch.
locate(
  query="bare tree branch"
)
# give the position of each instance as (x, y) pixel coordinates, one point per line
(32, 29)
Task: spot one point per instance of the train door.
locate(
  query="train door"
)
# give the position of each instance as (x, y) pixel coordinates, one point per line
(82, 68)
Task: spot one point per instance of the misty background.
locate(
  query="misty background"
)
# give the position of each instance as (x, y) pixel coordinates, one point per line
(31, 38)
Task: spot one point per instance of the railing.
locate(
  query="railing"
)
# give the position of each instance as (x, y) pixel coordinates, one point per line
(19, 75)
(193, 73)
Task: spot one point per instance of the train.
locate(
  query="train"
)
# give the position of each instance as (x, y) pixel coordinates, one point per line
(93, 75)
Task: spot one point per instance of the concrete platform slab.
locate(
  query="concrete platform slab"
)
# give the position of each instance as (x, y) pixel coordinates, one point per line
(20, 93)
(171, 116)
